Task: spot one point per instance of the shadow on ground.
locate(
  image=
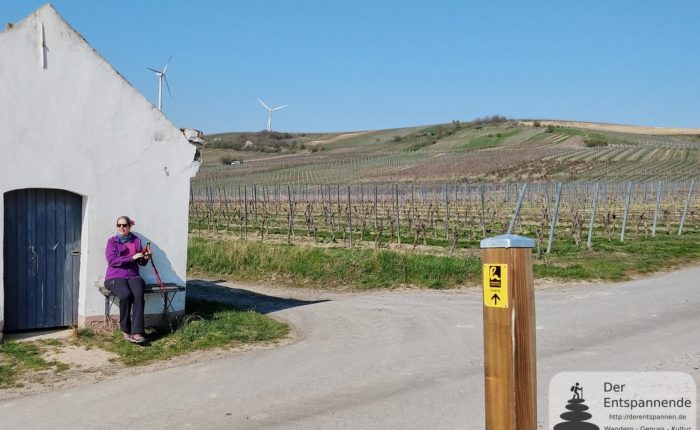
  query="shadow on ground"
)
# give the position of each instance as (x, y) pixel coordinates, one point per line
(241, 298)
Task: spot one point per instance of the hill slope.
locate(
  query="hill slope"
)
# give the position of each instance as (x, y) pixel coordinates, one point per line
(465, 152)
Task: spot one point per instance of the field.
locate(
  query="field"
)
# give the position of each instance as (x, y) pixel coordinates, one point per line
(449, 215)
(450, 185)
(507, 151)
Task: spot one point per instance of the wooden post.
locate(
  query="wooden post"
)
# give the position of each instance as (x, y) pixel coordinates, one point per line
(245, 214)
(589, 242)
(350, 216)
(509, 333)
(362, 202)
(338, 200)
(447, 215)
(626, 212)
(210, 208)
(376, 222)
(289, 214)
(398, 220)
(555, 216)
(227, 211)
(255, 205)
(685, 210)
(659, 193)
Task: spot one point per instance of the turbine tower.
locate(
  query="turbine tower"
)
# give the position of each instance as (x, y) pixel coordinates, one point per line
(161, 77)
(269, 113)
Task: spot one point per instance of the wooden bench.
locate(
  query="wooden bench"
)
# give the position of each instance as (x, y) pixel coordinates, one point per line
(168, 295)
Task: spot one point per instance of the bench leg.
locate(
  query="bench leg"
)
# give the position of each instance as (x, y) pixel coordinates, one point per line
(167, 306)
(108, 306)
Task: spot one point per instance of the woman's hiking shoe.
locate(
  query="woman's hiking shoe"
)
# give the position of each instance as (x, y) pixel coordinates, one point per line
(134, 338)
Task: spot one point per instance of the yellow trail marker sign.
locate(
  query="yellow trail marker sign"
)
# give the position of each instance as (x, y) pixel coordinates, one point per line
(496, 285)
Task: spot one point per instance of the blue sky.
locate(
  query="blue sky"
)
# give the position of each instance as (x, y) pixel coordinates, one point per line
(362, 65)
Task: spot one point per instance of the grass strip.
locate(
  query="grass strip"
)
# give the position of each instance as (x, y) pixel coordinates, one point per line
(341, 267)
(207, 325)
(19, 358)
(618, 261)
(488, 140)
(369, 268)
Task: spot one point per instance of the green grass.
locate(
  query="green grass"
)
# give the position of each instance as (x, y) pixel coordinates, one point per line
(340, 267)
(369, 268)
(590, 136)
(616, 261)
(207, 325)
(20, 358)
(489, 140)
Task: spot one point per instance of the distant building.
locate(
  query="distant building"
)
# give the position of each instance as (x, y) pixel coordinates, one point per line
(80, 147)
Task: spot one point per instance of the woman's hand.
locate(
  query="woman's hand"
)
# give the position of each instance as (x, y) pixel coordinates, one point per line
(137, 256)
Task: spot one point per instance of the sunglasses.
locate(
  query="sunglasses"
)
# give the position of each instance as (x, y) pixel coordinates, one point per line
(123, 225)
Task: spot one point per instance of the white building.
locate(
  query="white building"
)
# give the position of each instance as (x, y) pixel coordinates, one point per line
(80, 147)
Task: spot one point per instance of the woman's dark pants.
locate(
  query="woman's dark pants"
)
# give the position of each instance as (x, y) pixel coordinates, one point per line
(130, 294)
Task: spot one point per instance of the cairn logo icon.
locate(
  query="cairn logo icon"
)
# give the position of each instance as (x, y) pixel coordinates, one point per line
(576, 418)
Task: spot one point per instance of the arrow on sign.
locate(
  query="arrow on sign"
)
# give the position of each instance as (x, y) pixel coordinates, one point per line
(495, 298)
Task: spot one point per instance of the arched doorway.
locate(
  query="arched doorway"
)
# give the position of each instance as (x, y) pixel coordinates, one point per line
(41, 255)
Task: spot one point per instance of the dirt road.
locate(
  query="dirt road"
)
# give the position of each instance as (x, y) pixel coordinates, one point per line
(389, 360)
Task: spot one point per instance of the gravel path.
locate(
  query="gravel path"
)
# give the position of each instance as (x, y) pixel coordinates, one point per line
(384, 360)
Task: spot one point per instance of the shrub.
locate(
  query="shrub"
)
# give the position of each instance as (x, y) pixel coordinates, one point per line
(592, 143)
(493, 119)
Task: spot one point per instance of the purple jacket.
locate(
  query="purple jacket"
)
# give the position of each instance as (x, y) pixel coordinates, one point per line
(120, 263)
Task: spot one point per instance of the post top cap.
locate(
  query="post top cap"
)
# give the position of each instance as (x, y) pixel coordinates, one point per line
(508, 241)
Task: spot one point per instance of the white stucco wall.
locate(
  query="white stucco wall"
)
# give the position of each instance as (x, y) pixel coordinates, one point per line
(77, 125)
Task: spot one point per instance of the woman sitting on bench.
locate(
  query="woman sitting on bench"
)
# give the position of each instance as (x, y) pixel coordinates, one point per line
(124, 255)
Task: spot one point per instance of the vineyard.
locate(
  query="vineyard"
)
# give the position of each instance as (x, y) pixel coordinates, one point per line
(508, 152)
(448, 215)
(450, 185)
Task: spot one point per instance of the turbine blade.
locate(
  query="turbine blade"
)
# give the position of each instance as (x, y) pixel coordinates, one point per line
(154, 70)
(167, 85)
(167, 64)
(263, 103)
(280, 107)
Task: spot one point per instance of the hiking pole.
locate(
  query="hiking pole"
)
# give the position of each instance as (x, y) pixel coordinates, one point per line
(164, 293)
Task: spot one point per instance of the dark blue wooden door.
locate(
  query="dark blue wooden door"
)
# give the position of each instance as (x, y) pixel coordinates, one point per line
(41, 258)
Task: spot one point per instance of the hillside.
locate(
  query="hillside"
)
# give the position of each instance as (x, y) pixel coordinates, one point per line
(492, 150)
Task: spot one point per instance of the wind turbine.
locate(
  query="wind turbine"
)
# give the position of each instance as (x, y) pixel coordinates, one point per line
(161, 77)
(269, 113)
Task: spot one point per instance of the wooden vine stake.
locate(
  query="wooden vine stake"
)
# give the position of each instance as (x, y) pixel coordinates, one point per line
(509, 333)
